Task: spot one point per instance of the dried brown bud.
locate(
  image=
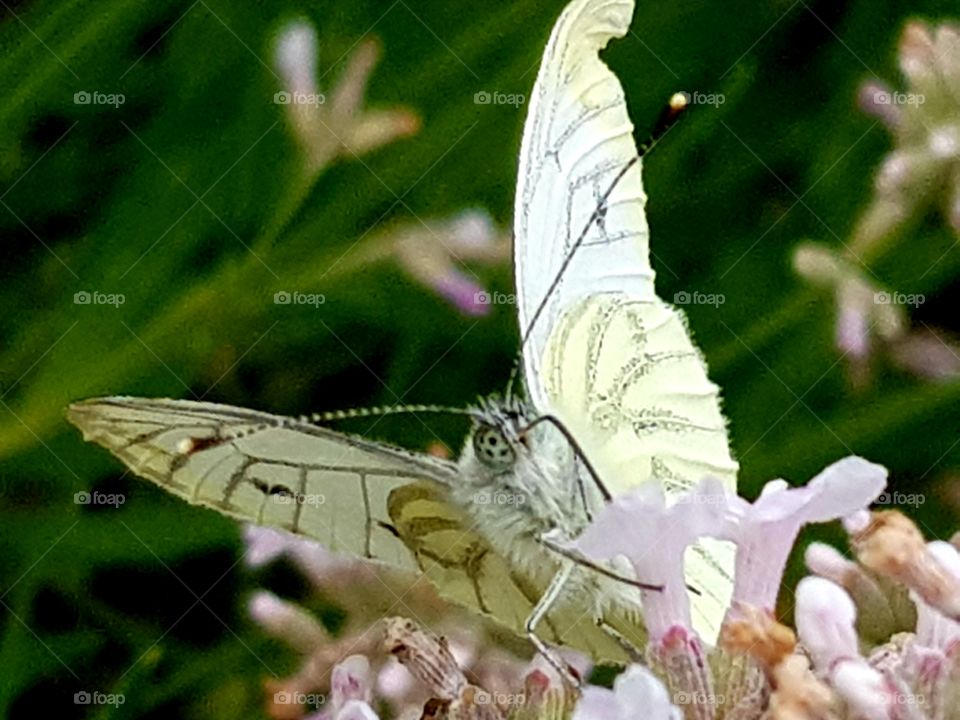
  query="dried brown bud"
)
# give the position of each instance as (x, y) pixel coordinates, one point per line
(759, 635)
(797, 694)
(426, 656)
(891, 545)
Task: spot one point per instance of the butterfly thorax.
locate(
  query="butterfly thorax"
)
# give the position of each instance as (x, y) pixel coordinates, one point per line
(519, 480)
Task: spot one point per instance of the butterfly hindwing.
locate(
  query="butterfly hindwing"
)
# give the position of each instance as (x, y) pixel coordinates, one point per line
(463, 566)
(626, 378)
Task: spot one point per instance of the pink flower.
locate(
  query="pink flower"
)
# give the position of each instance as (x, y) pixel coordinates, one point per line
(351, 680)
(921, 170)
(825, 621)
(928, 353)
(463, 292)
(654, 537)
(636, 693)
(826, 618)
(296, 57)
(935, 649)
(328, 125)
(766, 529)
(874, 99)
(265, 545)
(288, 622)
(435, 255)
(356, 710)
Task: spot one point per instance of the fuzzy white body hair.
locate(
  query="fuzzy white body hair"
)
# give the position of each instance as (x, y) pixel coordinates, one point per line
(543, 491)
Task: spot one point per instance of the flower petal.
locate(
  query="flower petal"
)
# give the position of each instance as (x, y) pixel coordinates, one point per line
(636, 692)
(654, 539)
(766, 529)
(825, 618)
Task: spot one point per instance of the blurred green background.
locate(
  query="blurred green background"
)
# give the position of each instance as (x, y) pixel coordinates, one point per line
(87, 190)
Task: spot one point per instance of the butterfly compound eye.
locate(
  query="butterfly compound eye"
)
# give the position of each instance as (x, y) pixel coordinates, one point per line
(492, 447)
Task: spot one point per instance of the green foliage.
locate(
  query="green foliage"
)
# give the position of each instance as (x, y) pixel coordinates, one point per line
(97, 198)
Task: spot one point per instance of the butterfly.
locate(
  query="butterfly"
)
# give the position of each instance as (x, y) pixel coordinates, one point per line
(616, 395)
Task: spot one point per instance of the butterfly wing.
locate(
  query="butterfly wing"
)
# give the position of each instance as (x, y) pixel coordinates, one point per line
(627, 380)
(351, 495)
(576, 141)
(615, 363)
(265, 469)
(466, 570)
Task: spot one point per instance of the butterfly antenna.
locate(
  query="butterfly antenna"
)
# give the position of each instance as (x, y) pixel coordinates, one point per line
(569, 258)
(332, 415)
(514, 374)
(192, 445)
(668, 117)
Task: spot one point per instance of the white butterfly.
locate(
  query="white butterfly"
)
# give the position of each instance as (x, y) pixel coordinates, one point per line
(609, 365)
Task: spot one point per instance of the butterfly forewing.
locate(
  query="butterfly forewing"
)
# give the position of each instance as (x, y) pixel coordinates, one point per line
(576, 142)
(378, 502)
(607, 356)
(266, 469)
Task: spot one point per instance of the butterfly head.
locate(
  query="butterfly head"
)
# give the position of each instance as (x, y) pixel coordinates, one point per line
(492, 448)
(498, 436)
(515, 469)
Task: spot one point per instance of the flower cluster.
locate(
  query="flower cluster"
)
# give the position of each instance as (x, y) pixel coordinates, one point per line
(878, 638)
(924, 168)
(326, 127)
(382, 683)
(920, 173)
(873, 321)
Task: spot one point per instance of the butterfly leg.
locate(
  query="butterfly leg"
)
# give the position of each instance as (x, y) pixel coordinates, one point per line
(540, 610)
(551, 544)
(628, 647)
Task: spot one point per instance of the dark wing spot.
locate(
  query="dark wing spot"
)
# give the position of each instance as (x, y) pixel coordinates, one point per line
(390, 529)
(268, 490)
(198, 444)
